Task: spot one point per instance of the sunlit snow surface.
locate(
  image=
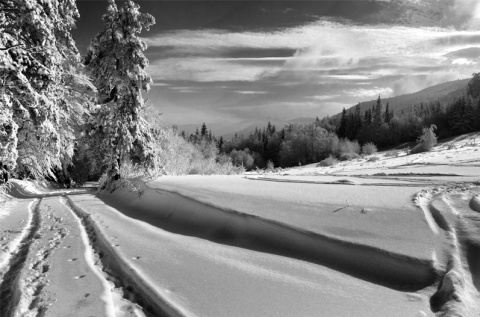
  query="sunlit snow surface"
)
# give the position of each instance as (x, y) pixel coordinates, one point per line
(361, 238)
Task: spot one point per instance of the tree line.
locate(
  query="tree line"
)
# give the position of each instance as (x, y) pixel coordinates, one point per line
(355, 132)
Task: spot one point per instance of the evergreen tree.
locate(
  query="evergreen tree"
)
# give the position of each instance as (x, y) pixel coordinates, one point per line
(269, 128)
(8, 133)
(220, 144)
(116, 64)
(342, 129)
(461, 116)
(388, 114)
(357, 119)
(38, 67)
(473, 88)
(378, 113)
(477, 116)
(203, 131)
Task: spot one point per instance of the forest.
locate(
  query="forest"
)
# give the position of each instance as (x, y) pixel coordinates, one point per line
(350, 134)
(65, 116)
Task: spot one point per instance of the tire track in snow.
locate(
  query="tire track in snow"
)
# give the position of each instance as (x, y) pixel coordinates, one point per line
(9, 288)
(35, 276)
(115, 298)
(126, 281)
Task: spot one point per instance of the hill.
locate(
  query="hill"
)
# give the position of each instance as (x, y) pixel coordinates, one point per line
(260, 124)
(445, 93)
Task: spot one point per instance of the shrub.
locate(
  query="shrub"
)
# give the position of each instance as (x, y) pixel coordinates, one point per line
(242, 158)
(373, 159)
(369, 148)
(348, 156)
(394, 153)
(176, 156)
(329, 161)
(347, 146)
(270, 167)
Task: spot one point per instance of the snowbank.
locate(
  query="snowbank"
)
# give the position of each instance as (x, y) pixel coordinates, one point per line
(184, 215)
(198, 277)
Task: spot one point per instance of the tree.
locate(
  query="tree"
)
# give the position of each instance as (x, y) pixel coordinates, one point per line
(461, 116)
(388, 115)
(8, 133)
(378, 113)
(220, 143)
(477, 116)
(39, 66)
(426, 141)
(204, 130)
(116, 64)
(473, 87)
(342, 129)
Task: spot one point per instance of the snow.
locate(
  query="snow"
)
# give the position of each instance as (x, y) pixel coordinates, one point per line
(399, 236)
(201, 278)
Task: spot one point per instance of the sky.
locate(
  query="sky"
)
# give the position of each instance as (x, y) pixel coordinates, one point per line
(231, 63)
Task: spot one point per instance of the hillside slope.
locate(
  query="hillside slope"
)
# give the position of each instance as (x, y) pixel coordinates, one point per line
(444, 93)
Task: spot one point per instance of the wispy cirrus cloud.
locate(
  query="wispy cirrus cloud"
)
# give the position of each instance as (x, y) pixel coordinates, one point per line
(323, 64)
(251, 92)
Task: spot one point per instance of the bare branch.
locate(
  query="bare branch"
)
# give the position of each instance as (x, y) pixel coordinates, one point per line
(9, 48)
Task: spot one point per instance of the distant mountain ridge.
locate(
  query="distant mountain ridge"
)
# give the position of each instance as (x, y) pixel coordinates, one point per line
(260, 124)
(445, 93)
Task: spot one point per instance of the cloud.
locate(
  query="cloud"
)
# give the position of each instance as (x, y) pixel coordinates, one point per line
(370, 93)
(284, 110)
(250, 92)
(412, 83)
(469, 53)
(205, 70)
(158, 84)
(317, 68)
(322, 97)
(323, 50)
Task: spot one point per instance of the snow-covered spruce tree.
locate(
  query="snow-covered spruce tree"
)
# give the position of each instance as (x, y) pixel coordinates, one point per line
(116, 64)
(8, 132)
(35, 49)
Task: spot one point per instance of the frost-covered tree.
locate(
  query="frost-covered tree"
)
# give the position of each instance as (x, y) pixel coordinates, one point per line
(426, 141)
(37, 53)
(8, 132)
(116, 64)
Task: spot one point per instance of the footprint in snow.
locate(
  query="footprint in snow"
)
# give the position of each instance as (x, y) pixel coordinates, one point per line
(136, 258)
(79, 277)
(72, 260)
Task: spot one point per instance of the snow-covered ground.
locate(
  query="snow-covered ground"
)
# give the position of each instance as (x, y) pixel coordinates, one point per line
(398, 236)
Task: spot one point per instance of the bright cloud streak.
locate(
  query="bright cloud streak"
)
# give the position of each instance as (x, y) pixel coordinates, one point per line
(320, 46)
(437, 41)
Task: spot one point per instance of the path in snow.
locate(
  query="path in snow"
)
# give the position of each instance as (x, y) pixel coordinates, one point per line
(49, 266)
(458, 236)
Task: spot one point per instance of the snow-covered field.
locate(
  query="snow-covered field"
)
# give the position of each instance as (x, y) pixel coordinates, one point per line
(396, 236)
